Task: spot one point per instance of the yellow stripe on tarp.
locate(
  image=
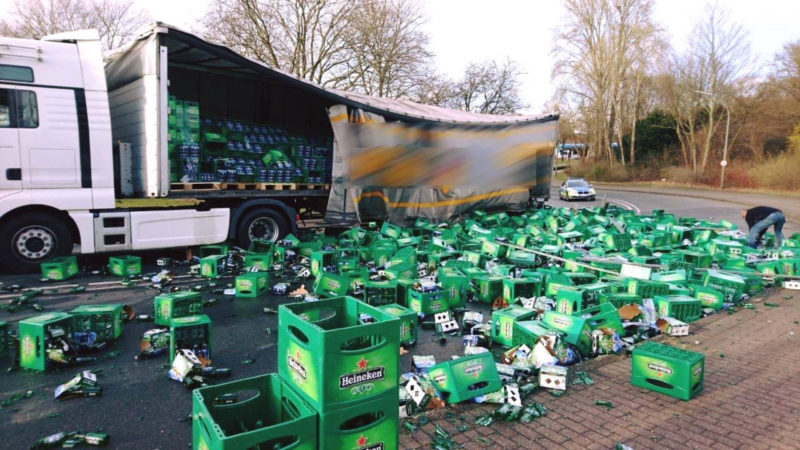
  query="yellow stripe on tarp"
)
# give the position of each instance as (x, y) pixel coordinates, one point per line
(457, 201)
(339, 118)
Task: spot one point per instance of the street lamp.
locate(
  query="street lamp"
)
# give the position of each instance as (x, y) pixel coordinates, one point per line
(724, 161)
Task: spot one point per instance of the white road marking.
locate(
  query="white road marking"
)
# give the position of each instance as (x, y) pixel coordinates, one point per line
(626, 205)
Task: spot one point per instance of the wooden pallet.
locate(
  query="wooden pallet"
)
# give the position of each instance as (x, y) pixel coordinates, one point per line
(218, 186)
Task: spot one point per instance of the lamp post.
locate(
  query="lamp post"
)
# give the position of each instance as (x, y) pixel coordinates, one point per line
(724, 161)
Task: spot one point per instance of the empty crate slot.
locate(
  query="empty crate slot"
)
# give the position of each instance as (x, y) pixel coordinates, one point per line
(361, 421)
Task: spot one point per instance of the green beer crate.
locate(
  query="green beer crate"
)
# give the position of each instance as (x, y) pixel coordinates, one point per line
(371, 424)
(681, 307)
(575, 328)
(274, 417)
(391, 231)
(527, 332)
(61, 268)
(406, 255)
(251, 284)
(212, 266)
(4, 347)
(731, 285)
(319, 260)
(330, 284)
(646, 289)
(179, 304)
(455, 282)
(261, 261)
(619, 299)
(380, 292)
(408, 322)
(404, 287)
(616, 241)
(601, 316)
(488, 288)
(671, 276)
(104, 320)
(190, 333)
(503, 321)
(307, 248)
(493, 249)
(401, 271)
(570, 299)
(522, 259)
(429, 302)
(339, 352)
(709, 297)
(668, 370)
(521, 287)
(125, 265)
(35, 338)
(556, 281)
(212, 250)
(466, 377)
(381, 254)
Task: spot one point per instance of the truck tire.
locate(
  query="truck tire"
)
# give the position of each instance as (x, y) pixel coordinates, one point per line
(30, 239)
(262, 223)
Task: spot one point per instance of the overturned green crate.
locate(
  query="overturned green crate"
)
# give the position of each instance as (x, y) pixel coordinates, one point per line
(251, 284)
(190, 333)
(380, 292)
(34, 335)
(709, 297)
(732, 285)
(429, 302)
(466, 377)
(212, 266)
(60, 268)
(681, 307)
(619, 299)
(339, 352)
(328, 284)
(103, 320)
(212, 250)
(125, 265)
(514, 288)
(179, 304)
(457, 284)
(503, 323)
(527, 332)
(668, 370)
(271, 415)
(646, 289)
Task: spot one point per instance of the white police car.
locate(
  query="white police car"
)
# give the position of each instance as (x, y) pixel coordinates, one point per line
(576, 189)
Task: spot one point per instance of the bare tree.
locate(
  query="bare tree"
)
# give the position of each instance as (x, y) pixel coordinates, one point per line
(387, 48)
(489, 88)
(115, 20)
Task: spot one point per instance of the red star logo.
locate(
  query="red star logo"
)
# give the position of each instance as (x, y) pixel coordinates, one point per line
(362, 364)
(660, 374)
(475, 375)
(362, 441)
(297, 355)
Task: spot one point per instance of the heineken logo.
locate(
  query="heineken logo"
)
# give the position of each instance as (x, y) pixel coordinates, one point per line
(334, 284)
(560, 321)
(436, 306)
(296, 367)
(404, 330)
(697, 370)
(244, 283)
(440, 379)
(474, 369)
(361, 442)
(507, 330)
(27, 346)
(659, 368)
(364, 375)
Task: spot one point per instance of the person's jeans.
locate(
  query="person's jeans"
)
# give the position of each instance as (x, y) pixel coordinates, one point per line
(777, 219)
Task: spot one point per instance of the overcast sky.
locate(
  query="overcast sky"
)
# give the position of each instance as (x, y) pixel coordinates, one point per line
(462, 31)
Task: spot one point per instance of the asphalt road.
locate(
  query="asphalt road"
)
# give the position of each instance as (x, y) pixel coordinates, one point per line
(142, 408)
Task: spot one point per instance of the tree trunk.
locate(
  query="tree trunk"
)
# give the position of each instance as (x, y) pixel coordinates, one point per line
(709, 135)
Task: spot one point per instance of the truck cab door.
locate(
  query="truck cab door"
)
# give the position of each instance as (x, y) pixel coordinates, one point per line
(10, 173)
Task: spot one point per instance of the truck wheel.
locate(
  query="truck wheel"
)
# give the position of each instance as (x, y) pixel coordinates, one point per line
(265, 224)
(31, 239)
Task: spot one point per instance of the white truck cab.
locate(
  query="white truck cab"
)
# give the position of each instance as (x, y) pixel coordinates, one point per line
(56, 160)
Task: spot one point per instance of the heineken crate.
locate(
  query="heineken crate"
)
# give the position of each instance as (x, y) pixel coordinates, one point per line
(104, 320)
(381, 254)
(39, 339)
(697, 259)
(380, 292)
(369, 425)
(179, 304)
(488, 288)
(329, 284)
(212, 266)
(731, 285)
(465, 378)
(61, 268)
(260, 247)
(709, 297)
(401, 271)
(339, 352)
(307, 248)
(527, 332)
(404, 287)
(391, 231)
(4, 347)
(261, 261)
(575, 328)
(458, 285)
(556, 281)
(502, 270)
(725, 247)
(668, 370)
(681, 307)
(570, 299)
(521, 287)
(346, 262)
(493, 249)
(601, 316)
(319, 260)
(522, 259)
(619, 299)
(671, 276)
(503, 323)
(212, 250)
(408, 322)
(429, 302)
(190, 333)
(646, 289)
(125, 265)
(251, 284)
(264, 412)
(406, 255)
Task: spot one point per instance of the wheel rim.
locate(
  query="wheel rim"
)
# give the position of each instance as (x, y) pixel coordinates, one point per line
(35, 242)
(263, 228)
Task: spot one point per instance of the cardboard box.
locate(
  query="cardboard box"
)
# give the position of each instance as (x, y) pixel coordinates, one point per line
(553, 377)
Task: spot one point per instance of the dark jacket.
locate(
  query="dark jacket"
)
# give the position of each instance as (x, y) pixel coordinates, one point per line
(757, 214)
